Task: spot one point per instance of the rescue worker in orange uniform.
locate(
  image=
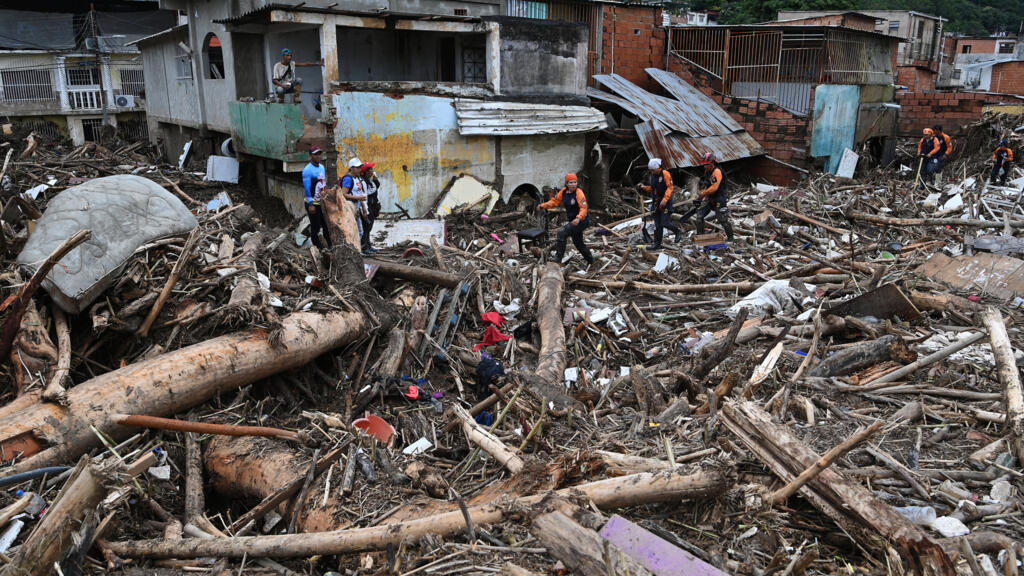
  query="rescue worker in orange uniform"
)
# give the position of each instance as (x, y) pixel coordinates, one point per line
(660, 189)
(1002, 158)
(927, 148)
(945, 147)
(714, 195)
(575, 202)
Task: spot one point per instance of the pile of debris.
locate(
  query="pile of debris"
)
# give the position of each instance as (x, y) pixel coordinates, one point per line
(836, 391)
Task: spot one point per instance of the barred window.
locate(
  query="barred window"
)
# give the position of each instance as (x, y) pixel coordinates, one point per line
(22, 85)
(132, 81)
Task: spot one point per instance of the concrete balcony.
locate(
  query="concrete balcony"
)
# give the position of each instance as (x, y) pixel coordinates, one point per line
(275, 131)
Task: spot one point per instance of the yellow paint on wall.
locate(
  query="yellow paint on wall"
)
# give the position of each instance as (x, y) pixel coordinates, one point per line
(467, 151)
(390, 117)
(391, 154)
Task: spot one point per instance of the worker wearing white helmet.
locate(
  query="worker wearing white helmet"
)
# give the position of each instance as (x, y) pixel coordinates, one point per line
(660, 188)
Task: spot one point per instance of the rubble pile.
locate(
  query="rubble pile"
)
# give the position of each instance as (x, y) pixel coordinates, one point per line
(836, 391)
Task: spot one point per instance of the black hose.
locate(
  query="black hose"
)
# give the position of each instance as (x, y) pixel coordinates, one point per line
(31, 475)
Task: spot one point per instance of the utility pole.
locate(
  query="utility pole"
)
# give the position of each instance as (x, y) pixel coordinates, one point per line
(99, 68)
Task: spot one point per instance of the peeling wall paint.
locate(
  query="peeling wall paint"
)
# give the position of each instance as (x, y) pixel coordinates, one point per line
(414, 140)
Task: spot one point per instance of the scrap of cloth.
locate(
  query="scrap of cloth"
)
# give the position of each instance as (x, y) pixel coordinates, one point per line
(491, 337)
(493, 318)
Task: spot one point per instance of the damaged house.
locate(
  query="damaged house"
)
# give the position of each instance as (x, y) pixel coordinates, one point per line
(804, 93)
(64, 74)
(427, 94)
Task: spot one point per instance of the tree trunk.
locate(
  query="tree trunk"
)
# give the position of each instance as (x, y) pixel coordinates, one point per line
(871, 522)
(631, 490)
(1009, 376)
(167, 384)
(551, 360)
(886, 221)
(581, 549)
(858, 357)
(415, 273)
(943, 302)
(340, 215)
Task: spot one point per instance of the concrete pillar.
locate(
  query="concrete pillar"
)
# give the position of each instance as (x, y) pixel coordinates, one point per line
(329, 52)
(494, 56)
(107, 81)
(62, 83)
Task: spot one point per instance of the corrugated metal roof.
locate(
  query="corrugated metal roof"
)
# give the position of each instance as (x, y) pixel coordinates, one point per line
(681, 130)
(477, 117)
(680, 151)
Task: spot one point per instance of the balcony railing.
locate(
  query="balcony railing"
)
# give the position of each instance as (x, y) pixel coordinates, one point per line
(87, 99)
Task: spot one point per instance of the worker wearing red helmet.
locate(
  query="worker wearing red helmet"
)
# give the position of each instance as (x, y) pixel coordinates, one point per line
(714, 196)
(575, 202)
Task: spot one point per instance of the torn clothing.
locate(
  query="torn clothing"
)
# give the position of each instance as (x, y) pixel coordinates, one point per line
(575, 204)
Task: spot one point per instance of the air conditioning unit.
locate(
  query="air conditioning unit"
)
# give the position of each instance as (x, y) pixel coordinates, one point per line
(125, 101)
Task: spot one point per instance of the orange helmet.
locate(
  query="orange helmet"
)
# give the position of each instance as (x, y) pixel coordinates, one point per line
(707, 158)
(928, 132)
(571, 178)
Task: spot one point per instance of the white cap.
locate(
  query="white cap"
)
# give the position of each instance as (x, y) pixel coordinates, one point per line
(355, 163)
(654, 164)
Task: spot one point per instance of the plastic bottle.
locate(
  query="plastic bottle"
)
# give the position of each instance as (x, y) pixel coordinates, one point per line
(35, 504)
(920, 515)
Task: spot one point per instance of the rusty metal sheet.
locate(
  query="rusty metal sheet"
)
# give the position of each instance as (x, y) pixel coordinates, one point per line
(476, 117)
(673, 113)
(680, 151)
(698, 103)
(882, 302)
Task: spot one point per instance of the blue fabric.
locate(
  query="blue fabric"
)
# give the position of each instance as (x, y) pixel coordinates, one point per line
(310, 174)
(347, 182)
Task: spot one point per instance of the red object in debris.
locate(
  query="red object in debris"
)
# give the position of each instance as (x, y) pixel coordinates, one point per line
(491, 337)
(377, 427)
(493, 318)
(973, 298)
(413, 393)
(410, 251)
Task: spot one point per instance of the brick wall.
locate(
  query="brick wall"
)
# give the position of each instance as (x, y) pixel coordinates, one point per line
(632, 40)
(951, 109)
(1008, 78)
(783, 135)
(915, 79)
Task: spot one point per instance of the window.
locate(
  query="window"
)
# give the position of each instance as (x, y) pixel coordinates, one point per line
(132, 81)
(214, 58)
(894, 26)
(83, 76)
(462, 11)
(22, 85)
(966, 49)
(474, 65)
(1006, 48)
(956, 74)
(182, 63)
(92, 128)
(920, 29)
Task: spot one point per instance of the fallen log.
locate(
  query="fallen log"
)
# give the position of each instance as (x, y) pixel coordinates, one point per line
(581, 550)
(415, 273)
(808, 219)
(928, 360)
(713, 355)
(869, 521)
(858, 357)
(488, 442)
(76, 504)
(142, 421)
(551, 360)
(45, 433)
(1009, 377)
(645, 488)
(824, 462)
(13, 320)
(887, 221)
(943, 302)
(739, 287)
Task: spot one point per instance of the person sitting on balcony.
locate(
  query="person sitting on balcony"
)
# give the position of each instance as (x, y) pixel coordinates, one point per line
(285, 79)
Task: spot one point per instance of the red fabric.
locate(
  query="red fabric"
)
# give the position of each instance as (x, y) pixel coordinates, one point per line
(493, 318)
(491, 337)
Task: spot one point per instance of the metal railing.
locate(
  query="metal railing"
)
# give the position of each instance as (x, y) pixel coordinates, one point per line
(26, 85)
(85, 99)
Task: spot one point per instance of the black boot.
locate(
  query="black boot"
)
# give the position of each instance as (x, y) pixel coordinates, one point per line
(700, 226)
(728, 230)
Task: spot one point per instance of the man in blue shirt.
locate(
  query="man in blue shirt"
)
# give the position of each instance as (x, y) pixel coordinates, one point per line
(314, 178)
